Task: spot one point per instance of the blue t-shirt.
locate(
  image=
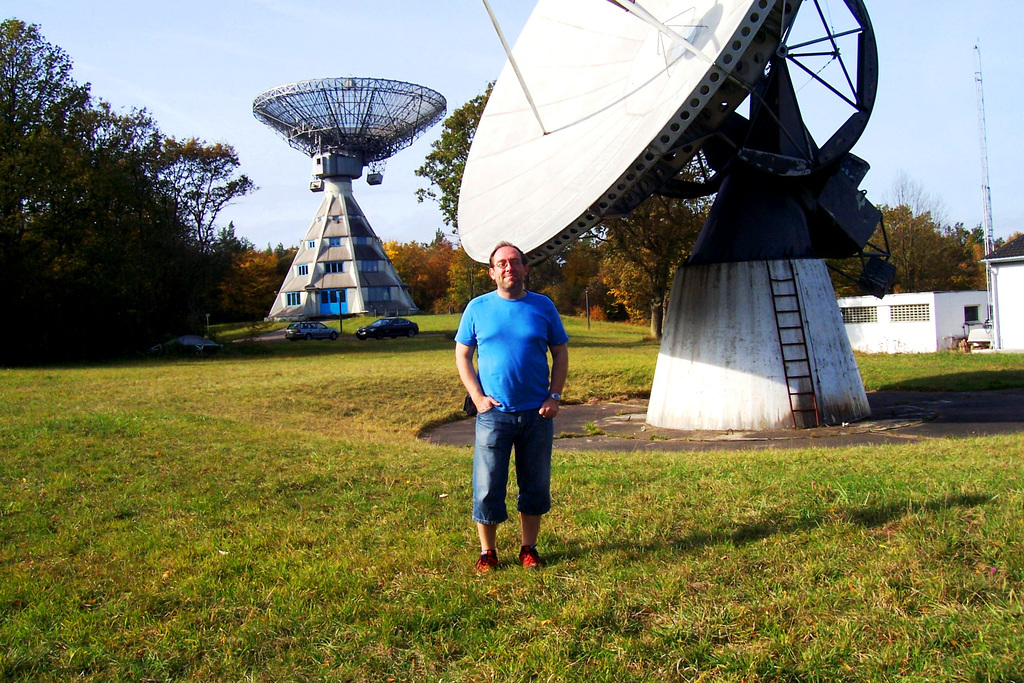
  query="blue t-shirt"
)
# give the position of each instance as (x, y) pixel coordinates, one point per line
(512, 337)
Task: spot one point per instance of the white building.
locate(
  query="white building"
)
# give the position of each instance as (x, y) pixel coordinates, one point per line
(1007, 285)
(920, 322)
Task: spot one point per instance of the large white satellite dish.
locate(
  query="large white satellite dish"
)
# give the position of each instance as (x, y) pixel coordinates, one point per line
(613, 95)
(606, 108)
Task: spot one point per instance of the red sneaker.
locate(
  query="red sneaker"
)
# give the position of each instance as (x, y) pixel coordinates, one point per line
(528, 557)
(487, 561)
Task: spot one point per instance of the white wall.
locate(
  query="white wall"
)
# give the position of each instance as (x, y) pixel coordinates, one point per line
(949, 315)
(944, 327)
(1009, 304)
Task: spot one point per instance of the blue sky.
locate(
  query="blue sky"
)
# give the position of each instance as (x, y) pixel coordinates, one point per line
(196, 66)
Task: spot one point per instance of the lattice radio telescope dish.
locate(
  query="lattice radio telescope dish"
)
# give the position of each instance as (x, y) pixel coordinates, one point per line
(374, 117)
(341, 267)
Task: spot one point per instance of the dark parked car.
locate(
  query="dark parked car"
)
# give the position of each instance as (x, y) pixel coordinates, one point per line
(389, 327)
(297, 331)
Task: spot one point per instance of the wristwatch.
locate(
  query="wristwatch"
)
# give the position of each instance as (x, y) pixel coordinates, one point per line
(557, 397)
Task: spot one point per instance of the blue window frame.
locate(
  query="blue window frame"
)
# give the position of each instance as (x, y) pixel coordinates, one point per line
(362, 240)
(311, 244)
(369, 266)
(292, 298)
(334, 266)
(302, 269)
(334, 241)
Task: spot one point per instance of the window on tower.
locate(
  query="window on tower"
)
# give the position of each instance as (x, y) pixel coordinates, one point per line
(369, 266)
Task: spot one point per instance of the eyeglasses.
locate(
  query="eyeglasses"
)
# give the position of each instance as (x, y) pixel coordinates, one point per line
(500, 265)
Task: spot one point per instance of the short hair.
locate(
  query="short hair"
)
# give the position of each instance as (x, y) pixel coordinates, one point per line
(490, 259)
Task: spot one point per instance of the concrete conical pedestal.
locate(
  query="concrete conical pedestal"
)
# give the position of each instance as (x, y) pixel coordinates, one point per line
(755, 345)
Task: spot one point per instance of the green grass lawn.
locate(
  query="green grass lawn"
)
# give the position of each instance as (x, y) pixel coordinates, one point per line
(270, 515)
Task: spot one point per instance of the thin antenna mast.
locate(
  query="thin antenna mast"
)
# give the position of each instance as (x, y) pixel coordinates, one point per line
(986, 190)
(986, 197)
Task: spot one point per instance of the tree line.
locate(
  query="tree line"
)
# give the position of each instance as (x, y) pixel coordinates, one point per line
(109, 240)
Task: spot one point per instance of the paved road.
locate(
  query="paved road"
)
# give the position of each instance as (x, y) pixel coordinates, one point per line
(897, 417)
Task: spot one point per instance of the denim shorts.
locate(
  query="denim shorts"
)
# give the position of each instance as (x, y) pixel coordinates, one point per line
(496, 434)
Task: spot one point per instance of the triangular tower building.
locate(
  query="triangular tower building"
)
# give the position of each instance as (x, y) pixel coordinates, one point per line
(341, 267)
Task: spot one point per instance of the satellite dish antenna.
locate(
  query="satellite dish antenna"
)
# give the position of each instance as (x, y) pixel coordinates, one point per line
(629, 94)
(616, 94)
(345, 124)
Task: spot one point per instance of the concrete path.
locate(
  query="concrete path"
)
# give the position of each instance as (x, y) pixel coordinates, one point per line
(897, 417)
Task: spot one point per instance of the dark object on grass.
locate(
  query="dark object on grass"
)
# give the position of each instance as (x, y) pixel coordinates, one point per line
(187, 344)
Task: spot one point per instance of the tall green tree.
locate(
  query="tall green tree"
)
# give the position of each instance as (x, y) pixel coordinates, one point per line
(80, 231)
(571, 278)
(443, 167)
(930, 257)
(41, 107)
(915, 242)
(107, 252)
(962, 255)
(446, 161)
(200, 179)
(643, 251)
(92, 233)
(466, 279)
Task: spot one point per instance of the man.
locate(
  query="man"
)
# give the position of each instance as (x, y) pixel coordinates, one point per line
(512, 331)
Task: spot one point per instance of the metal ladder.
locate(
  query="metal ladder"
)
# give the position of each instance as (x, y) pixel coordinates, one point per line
(789, 321)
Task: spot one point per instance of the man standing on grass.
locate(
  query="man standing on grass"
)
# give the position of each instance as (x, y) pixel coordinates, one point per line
(512, 331)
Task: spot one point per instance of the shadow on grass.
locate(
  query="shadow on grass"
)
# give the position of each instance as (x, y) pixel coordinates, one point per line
(246, 349)
(345, 346)
(602, 343)
(983, 380)
(866, 516)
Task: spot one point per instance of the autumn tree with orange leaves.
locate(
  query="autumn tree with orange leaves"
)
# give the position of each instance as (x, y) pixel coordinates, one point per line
(250, 286)
(425, 269)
